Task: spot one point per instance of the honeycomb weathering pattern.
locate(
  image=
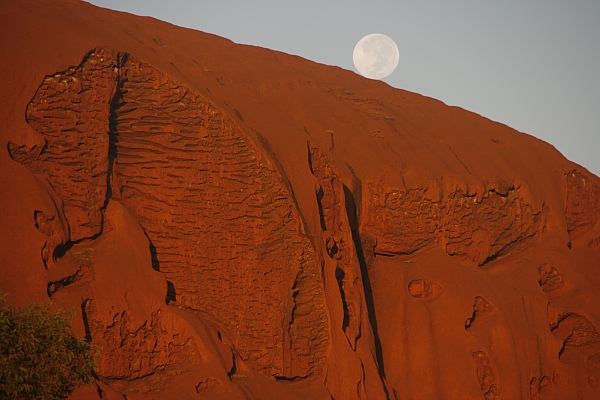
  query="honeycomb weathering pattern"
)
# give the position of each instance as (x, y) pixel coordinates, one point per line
(471, 228)
(132, 352)
(71, 110)
(583, 203)
(223, 227)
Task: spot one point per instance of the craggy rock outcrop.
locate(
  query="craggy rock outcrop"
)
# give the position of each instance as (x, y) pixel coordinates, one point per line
(221, 223)
(477, 227)
(583, 203)
(70, 110)
(233, 222)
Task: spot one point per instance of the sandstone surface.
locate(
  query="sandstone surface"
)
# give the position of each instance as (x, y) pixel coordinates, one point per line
(234, 222)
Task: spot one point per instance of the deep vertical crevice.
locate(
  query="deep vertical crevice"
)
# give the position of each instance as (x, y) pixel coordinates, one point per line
(171, 292)
(153, 253)
(112, 126)
(86, 322)
(320, 195)
(320, 192)
(351, 211)
(339, 276)
(112, 150)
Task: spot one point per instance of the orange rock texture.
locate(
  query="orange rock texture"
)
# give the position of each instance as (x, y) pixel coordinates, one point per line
(231, 222)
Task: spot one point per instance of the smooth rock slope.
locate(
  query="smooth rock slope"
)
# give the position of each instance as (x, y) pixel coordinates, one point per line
(233, 222)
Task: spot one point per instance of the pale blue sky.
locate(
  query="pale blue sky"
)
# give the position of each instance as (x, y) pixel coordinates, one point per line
(533, 65)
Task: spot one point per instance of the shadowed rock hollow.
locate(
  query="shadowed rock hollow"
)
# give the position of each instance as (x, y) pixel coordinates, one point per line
(233, 222)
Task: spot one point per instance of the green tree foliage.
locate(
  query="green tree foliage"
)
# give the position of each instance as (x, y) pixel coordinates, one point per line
(39, 356)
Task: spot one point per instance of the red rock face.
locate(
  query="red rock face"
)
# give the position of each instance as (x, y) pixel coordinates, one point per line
(221, 224)
(583, 203)
(70, 110)
(231, 222)
(477, 227)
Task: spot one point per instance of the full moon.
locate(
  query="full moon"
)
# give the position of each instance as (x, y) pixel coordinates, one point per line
(376, 56)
